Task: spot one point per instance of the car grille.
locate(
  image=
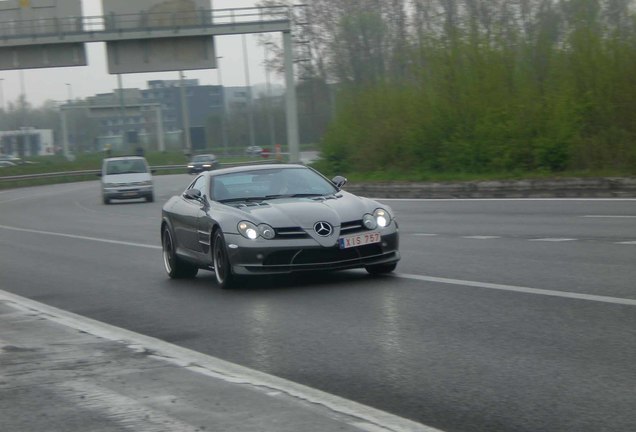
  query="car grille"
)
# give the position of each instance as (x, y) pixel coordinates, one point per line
(321, 256)
(352, 227)
(132, 184)
(290, 233)
(298, 233)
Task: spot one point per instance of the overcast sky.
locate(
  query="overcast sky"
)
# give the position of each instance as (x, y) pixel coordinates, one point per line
(43, 84)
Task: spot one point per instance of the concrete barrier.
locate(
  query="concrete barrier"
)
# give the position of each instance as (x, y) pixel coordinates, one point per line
(611, 187)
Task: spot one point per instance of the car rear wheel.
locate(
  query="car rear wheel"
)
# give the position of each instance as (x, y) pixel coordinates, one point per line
(175, 267)
(381, 268)
(222, 269)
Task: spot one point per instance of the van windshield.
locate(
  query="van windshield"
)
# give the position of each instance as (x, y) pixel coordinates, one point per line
(126, 166)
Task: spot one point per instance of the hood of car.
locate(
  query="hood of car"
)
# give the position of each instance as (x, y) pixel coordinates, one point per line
(126, 178)
(306, 213)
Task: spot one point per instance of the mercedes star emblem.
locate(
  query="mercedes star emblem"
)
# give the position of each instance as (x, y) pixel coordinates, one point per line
(323, 229)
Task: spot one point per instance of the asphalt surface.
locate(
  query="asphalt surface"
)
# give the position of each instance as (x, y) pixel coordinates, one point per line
(67, 373)
(504, 315)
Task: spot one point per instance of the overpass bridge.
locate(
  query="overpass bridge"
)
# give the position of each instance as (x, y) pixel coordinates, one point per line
(59, 41)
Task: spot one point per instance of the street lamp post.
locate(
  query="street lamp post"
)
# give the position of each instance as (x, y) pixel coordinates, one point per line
(223, 106)
(70, 123)
(270, 115)
(1, 94)
(185, 113)
(249, 92)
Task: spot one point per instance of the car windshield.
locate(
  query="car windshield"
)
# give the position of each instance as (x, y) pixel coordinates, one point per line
(126, 166)
(270, 184)
(202, 158)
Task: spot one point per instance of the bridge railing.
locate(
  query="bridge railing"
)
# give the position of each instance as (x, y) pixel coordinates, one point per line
(119, 23)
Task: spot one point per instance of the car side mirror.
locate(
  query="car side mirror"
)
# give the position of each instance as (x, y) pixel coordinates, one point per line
(193, 194)
(339, 181)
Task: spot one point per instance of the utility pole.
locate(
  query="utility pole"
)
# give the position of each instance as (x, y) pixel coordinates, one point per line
(250, 112)
(293, 137)
(122, 114)
(1, 94)
(223, 106)
(270, 114)
(70, 122)
(187, 144)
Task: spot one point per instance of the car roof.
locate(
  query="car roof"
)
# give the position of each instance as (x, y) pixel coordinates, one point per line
(209, 155)
(124, 158)
(259, 167)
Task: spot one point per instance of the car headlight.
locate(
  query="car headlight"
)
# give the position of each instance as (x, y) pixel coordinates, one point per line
(190, 166)
(252, 232)
(382, 217)
(369, 221)
(207, 166)
(266, 231)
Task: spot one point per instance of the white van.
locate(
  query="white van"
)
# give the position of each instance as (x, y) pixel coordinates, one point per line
(126, 177)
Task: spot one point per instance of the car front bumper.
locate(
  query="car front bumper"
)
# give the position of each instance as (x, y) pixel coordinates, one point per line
(127, 192)
(253, 257)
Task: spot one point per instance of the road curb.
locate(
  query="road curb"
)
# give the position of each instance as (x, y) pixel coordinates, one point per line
(607, 187)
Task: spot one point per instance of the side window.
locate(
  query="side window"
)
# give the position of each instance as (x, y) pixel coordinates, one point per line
(199, 184)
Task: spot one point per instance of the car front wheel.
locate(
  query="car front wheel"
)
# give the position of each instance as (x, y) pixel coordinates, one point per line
(175, 267)
(224, 276)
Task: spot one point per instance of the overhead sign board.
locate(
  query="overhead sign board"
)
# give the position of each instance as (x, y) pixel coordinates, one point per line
(43, 56)
(33, 18)
(164, 49)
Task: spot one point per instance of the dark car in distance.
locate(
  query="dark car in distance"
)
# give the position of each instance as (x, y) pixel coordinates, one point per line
(274, 219)
(203, 162)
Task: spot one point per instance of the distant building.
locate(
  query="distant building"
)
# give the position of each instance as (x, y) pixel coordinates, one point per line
(237, 98)
(130, 116)
(27, 142)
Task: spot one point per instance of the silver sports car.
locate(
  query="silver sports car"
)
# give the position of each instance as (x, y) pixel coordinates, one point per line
(272, 219)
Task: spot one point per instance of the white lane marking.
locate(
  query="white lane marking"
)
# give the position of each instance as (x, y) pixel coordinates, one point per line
(537, 291)
(627, 243)
(425, 235)
(401, 275)
(503, 199)
(221, 369)
(481, 237)
(79, 237)
(610, 216)
(551, 239)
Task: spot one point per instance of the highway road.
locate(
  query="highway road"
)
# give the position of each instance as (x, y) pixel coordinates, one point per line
(503, 315)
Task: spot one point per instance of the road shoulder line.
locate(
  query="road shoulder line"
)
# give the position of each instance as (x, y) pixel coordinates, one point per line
(221, 369)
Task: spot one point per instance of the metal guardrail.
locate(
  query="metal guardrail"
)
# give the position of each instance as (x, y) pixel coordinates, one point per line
(84, 173)
(75, 173)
